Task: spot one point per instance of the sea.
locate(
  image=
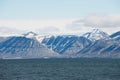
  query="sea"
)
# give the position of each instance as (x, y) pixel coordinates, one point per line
(60, 69)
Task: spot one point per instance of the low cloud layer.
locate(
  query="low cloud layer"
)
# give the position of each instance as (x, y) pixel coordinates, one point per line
(102, 21)
(9, 31)
(41, 26)
(107, 23)
(98, 21)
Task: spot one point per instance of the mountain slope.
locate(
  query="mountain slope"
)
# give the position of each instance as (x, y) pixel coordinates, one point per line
(102, 48)
(116, 36)
(3, 39)
(25, 48)
(66, 44)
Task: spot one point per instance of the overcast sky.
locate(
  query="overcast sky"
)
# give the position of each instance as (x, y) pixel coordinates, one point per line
(58, 16)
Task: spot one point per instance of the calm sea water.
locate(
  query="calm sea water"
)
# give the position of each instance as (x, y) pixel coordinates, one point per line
(60, 69)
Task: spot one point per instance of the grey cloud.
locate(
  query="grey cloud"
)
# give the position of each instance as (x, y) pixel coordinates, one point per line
(102, 21)
(8, 31)
(73, 26)
(95, 21)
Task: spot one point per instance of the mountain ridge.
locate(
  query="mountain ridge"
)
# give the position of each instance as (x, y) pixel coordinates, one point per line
(31, 45)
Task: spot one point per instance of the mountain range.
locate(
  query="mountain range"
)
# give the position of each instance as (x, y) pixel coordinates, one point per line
(91, 44)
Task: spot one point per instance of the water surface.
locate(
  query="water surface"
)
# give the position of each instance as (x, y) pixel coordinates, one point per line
(60, 69)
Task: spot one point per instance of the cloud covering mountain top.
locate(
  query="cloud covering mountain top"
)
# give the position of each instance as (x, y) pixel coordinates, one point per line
(107, 23)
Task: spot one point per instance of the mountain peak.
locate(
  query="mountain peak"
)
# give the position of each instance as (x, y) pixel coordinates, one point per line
(30, 34)
(96, 31)
(96, 34)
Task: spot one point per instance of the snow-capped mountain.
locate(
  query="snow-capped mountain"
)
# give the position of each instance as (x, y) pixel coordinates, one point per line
(31, 45)
(33, 35)
(96, 34)
(95, 44)
(30, 34)
(23, 47)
